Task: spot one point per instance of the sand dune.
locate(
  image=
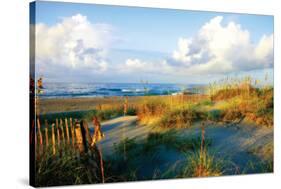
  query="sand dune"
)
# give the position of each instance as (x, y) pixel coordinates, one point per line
(234, 142)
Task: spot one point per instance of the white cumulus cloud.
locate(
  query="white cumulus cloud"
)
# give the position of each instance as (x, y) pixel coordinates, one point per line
(136, 66)
(218, 48)
(74, 42)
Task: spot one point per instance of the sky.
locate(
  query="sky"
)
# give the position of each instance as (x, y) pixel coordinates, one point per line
(101, 43)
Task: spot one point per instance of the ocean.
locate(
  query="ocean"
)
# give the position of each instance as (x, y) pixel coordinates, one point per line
(78, 90)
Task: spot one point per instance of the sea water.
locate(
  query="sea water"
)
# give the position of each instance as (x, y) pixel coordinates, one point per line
(78, 90)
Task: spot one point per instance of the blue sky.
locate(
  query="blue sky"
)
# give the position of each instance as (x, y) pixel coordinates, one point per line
(145, 38)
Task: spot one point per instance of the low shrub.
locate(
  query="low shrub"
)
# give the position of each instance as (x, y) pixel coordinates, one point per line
(125, 145)
(206, 103)
(262, 116)
(51, 117)
(151, 108)
(203, 164)
(171, 140)
(214, 115)
(232, 115)
(155, 139)
(107, 114)
(179, 118)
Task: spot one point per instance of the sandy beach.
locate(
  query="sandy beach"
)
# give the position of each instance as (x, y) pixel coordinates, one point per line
(55, 105)
(78, 104)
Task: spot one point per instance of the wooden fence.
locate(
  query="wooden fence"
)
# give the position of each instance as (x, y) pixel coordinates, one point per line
(63, 135)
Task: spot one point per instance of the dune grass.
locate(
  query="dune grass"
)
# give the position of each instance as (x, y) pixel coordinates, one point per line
(103, 115)
(229, 101)
(170, 139)
(202, 164)
(265, 152)
(131, 155)
(66, 168)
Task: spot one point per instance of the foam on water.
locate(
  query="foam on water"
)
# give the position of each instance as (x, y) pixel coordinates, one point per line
(71, 90)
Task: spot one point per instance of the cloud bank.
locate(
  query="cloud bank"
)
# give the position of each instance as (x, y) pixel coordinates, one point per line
(217, 49)
(73, 43)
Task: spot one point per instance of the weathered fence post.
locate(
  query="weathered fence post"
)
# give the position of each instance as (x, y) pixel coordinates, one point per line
(39, 132)
(98, 135)
(84, 131)
(78, 136)
(66, 130)
(53, 139)
(46, 133)
(88, 135)
(72, 133)
(58, 132)
(62, 131)
(46, 136)
(83, 137)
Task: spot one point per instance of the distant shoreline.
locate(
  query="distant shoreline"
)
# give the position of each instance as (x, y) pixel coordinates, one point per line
(97, 90)
(120, 96)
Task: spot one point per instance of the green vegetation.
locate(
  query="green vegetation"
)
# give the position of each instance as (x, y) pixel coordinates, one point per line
(203, 164)
(67, 168)
(171, 140)
(179, 118)
(264, 166)
(265, 152)
(51, 117)
(214, 115)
